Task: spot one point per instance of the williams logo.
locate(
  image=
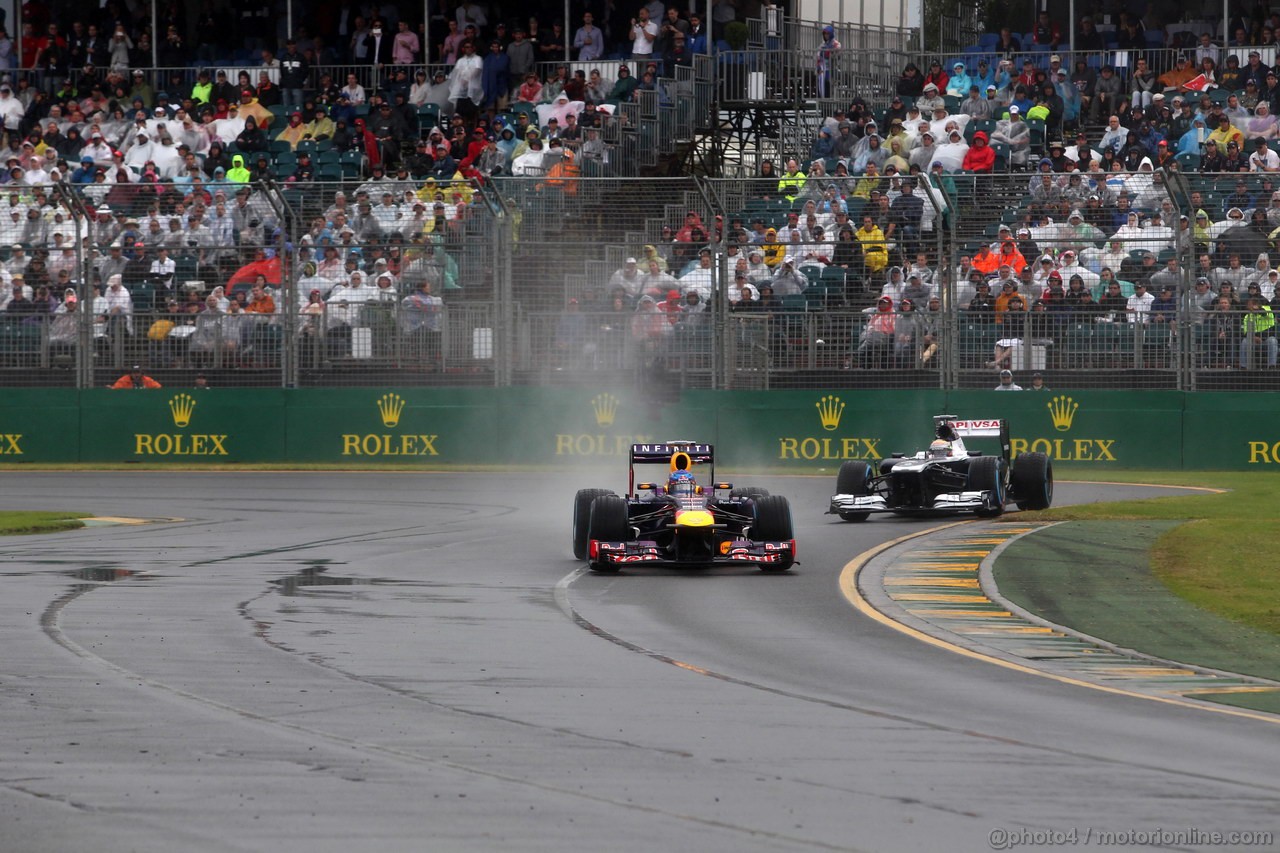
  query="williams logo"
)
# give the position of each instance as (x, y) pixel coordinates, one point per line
(181, 409)
(830, 410)
(1063, 410)
(390, 408)
(1062, 413)
(604, 409)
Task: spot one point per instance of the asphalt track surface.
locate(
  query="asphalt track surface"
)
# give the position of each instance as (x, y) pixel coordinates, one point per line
(320, 662)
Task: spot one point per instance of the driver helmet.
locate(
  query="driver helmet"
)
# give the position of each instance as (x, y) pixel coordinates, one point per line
(681, 476)
(939, 449)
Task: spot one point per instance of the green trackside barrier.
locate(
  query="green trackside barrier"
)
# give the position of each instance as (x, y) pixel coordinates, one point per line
(39, 425)
(1239, 431)
(182, 425)
(796, 430)
(1120, 429)
(359, 425)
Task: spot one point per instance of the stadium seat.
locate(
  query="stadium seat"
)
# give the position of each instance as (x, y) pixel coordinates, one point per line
(1002, 156)
(1037, 129)
(1188, 161)
(352, 163)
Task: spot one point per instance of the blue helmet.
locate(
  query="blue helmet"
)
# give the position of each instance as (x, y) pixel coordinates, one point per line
(681, 476)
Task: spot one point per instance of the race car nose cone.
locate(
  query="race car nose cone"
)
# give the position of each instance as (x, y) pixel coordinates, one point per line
(694, 518)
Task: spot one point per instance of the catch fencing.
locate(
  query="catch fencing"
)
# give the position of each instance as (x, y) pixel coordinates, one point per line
(527, 281)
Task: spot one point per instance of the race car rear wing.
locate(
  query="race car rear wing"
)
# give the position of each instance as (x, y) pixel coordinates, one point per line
(950, 428)
(699, 454)
(682, 454)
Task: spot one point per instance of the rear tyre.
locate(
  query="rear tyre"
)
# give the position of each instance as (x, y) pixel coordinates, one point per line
(986, 474)
(852, 480)
(749, 492)
(582, 518)
(772, 524)
(1032, 481)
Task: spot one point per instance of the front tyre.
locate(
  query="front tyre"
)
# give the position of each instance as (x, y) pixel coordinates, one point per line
(852, 479)
(1032, 481)
(773, 524)
(749, 492)
(582, 518)
(986, 474)
(608, 523)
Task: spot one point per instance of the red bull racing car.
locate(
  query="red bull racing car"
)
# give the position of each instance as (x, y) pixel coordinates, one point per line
(678, 523)
(946, 478)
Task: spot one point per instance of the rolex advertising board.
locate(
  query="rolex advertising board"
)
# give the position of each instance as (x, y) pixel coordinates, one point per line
(797, 430)
(566, 425)
(1120, 429)
(39, 425)
(1231, 431)
(186, 426)
(414, 426)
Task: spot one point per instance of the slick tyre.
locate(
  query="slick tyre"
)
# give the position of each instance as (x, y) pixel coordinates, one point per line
(1032, 481)
(986, 474)
(852, 480)
(582, 519)
(608, 523)
(773, 523)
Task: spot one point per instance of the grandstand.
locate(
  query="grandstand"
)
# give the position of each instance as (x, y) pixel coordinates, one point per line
(397, 232)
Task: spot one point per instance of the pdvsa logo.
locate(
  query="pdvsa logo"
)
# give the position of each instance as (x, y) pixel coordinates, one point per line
(390, 408)
(1062, 415)
(604, 410)
(830, 411)
(182, 409)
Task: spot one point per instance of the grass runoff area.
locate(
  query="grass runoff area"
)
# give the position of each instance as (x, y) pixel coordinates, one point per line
(1192, 578)
(14, 523)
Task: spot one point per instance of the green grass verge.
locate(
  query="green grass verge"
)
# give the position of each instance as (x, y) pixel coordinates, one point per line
(1095, 576)
(1223, 558)
(14, 523)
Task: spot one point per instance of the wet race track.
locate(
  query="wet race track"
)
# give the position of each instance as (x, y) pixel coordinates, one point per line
(411, 662)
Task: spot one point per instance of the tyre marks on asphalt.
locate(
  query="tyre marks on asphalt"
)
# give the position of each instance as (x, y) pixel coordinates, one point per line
(942, 591)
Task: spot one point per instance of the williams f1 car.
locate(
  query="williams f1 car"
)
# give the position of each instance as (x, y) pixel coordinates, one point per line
(946, 478)
(676, 522)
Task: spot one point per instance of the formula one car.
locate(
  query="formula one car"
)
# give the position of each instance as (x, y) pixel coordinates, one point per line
(947, 478)
(679, 523)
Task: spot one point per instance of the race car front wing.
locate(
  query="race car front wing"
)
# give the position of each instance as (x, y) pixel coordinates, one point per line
(952, 502)
(739, 552)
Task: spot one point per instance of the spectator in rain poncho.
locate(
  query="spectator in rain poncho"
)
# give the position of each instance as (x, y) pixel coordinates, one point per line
(467, 78)
(896, 158)
(930, 100)
(951, 153)
(1015, 133)
(959, 83)
(1192, 142)
(1072, 267)
(870, 149)
(1139, 182)
(922, 155)
(1078, 234)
